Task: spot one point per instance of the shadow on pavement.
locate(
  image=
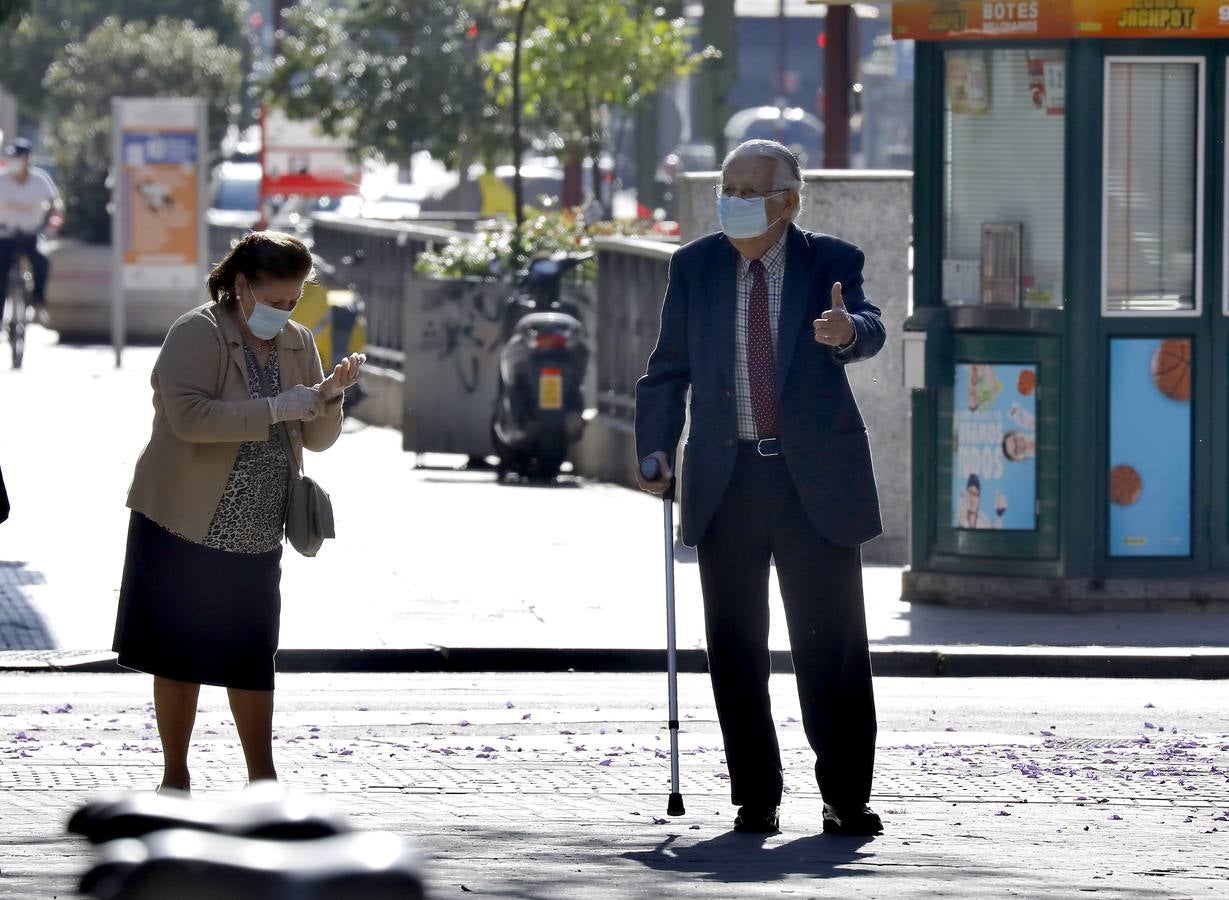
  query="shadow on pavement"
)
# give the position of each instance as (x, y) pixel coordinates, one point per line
(734, 857)
(21, 627)
(461, 476)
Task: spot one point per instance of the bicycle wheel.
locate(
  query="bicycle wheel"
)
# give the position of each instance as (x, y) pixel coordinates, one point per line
(19, 298)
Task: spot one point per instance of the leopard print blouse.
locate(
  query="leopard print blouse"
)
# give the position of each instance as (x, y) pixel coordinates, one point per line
(251, 516)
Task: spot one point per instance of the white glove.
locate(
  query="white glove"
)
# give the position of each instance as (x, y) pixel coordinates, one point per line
(300, 403)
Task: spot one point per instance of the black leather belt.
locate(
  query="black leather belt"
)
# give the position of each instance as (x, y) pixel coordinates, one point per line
(764, 447)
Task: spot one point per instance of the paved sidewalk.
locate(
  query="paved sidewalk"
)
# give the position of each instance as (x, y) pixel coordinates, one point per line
(554, 786)
(436, 557)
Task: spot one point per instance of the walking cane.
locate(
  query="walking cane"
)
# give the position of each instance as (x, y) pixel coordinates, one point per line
(650, 468)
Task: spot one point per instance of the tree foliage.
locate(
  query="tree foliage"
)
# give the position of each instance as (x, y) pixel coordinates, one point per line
(34, 40)
(11, 9)
(167, 59)
(582, 57)
(392, 77)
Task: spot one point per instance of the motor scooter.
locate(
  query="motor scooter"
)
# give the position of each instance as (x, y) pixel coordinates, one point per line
(539, 406)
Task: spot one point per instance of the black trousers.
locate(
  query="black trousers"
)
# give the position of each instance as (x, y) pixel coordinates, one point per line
(761, 518)
(13, 246)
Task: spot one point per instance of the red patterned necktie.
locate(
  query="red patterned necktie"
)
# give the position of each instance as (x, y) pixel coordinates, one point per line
(761, 360)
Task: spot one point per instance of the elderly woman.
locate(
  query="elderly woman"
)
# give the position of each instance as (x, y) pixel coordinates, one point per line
(200, 599)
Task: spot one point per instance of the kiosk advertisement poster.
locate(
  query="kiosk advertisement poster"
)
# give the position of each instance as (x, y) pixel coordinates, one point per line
(1150, 447)
(994, 446)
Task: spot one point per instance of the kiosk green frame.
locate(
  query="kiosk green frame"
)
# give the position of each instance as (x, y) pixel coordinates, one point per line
(1114, 383)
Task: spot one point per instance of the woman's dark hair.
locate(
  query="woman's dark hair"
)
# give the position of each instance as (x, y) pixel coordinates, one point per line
(260, 256)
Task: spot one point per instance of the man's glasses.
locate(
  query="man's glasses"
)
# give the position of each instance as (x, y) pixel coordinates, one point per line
(722, 190)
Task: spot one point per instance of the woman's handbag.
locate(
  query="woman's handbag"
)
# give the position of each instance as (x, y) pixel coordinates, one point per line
(309, 511)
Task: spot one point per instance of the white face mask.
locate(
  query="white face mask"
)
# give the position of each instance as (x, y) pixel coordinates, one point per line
(744, 217)
(266, 321)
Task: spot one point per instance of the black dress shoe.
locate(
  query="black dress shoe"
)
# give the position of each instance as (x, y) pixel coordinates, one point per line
(858, 820)
(757, 820)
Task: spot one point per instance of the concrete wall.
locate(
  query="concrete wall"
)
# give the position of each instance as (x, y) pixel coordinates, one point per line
(79, 297)
(872, 210)
(384, 397)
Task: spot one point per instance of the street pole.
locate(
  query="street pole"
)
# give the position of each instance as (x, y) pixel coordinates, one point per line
(837, 86)
(518, 187)
(718, 27)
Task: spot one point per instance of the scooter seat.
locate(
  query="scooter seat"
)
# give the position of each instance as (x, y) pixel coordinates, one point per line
(195, 865)
(551, 322)
(264, 811)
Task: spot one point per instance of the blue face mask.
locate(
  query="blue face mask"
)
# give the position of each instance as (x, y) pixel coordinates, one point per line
(266, 321)
(744, 217)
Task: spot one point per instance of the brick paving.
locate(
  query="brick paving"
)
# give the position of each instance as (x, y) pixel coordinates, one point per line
(554, 786)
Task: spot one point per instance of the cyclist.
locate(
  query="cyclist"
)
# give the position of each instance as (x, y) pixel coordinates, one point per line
(29, 201)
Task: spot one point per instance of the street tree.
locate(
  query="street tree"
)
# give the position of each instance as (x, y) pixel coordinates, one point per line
(391, 78)
(11, 9)
(36, 33)
(580, 59)
(167, 59)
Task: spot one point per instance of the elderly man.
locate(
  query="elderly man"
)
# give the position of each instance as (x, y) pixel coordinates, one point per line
(759, 322)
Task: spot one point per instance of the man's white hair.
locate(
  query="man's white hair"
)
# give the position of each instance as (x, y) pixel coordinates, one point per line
(788, 175)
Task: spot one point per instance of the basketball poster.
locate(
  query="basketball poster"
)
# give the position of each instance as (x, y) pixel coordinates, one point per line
(994, 446)
(1150, 447)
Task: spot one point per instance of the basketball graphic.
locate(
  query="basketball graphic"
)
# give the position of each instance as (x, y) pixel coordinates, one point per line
(1026, 382)
(1171, 369)
(1125, 485)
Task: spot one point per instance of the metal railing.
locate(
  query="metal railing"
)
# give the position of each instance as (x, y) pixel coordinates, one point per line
(377, 260)
(631, 281)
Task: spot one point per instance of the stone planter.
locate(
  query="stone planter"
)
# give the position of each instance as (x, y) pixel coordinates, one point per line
(79, 297)
(452, 341)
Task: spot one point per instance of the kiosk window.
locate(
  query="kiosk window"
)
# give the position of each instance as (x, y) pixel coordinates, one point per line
(1003, 174)
(1153, 185)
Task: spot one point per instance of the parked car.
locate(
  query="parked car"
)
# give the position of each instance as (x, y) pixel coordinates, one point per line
(792, 126)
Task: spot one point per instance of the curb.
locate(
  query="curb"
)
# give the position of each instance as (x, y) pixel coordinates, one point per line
(918, 662)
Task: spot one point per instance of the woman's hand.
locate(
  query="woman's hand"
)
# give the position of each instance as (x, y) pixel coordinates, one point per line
(301, 403)
(345, 373)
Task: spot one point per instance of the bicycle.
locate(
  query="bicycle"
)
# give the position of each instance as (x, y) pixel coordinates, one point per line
(20, 292)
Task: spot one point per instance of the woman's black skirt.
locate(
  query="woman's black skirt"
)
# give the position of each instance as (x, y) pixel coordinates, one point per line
(191, 613)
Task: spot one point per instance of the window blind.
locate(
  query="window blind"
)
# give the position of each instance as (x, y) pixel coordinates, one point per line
(1151, 188)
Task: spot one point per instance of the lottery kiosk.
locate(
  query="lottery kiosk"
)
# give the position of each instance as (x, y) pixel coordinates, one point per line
(1067, 352)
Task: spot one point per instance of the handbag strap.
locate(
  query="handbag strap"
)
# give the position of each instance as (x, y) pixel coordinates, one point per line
(283, 434)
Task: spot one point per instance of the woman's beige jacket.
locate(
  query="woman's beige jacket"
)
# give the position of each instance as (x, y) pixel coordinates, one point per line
(203, 412)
